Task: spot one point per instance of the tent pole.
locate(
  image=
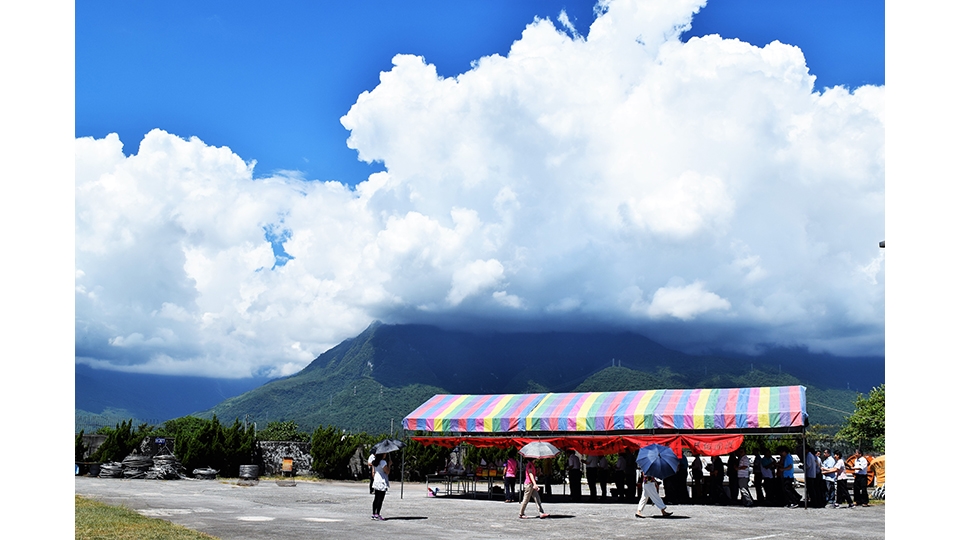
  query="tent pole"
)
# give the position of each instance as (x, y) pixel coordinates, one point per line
(403, 455)
(806, 488)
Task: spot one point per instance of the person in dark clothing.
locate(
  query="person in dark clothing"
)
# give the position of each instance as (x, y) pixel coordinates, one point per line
(758, 478)
(696, 471)
(771, 489)
(790, 496)
(575, 472)
(732, 463)
(717, 496)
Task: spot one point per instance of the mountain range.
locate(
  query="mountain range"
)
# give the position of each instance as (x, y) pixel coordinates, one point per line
(370, 382)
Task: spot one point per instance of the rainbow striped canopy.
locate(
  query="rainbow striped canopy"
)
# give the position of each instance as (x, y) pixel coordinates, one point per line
(690, 409)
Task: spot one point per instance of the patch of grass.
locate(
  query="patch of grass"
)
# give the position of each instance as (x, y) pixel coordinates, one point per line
(95, 520)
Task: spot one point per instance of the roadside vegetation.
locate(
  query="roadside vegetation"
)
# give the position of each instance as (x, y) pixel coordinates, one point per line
(93, 519)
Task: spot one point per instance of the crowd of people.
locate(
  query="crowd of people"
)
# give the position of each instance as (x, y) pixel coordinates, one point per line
(768, 479)
(715, 481)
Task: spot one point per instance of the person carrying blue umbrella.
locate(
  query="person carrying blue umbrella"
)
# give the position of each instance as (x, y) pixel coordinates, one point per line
(653, 462)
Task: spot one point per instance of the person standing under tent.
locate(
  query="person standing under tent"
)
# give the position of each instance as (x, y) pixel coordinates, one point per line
(843, 491)
(696, 471)
(811, 470)
(680, 478)
(603, 475)
(593, 463)
(649, 492)
(829, 471)
(510, 469)
(717, 496)
(743, 477)
(632, 489)
(546, 476)
(758, 478)
(381, 483)
(531, 490)
(860, 469)
(790, 495)
(733, 467)
(768, 468)
(620, 476)
(575, 472)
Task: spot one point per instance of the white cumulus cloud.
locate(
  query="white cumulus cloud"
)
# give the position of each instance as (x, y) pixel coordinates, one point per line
(622, 178)
(685, 302)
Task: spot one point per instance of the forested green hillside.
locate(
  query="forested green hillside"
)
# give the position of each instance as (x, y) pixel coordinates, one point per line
(370, 383)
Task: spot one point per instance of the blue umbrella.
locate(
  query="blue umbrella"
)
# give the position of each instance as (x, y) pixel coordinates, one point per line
(657, 461)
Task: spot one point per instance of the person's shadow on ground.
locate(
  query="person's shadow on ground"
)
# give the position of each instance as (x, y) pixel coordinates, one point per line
(404, 518)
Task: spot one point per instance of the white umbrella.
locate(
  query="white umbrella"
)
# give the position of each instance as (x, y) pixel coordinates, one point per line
(539, 450)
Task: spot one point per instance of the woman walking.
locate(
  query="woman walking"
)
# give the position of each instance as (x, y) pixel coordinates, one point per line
(381, 483)
(531, 489)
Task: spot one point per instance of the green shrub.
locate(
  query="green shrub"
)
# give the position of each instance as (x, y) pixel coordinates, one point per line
(331, 449)
(283, 431)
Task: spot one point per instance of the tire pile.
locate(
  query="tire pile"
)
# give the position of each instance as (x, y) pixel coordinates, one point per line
(205, 474)
(163, 466)
(136, 466)
(249, 472)
(166, 467)
(111, 470)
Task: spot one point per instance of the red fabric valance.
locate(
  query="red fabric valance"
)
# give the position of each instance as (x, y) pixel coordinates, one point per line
(705, 445)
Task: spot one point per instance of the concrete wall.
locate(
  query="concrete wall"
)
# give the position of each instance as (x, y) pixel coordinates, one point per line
(273, 453)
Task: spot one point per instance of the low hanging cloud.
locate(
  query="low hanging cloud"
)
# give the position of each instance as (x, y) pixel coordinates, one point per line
(702, 193)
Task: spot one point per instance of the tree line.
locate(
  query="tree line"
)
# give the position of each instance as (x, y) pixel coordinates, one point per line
(209, 443)
(204, 443)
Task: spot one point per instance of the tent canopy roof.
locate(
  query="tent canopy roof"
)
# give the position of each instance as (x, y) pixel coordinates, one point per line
(778, 408)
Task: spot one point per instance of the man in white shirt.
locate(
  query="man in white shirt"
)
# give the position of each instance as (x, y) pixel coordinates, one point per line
(860, 467)
(593, 463)
(830, 477)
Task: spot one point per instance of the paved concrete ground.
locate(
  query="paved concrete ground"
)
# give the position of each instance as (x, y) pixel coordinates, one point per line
(342, 510)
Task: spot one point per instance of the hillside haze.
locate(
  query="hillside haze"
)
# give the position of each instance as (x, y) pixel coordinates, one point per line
(369, 383)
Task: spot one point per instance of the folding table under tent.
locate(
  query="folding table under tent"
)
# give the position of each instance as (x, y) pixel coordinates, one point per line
(710, 421)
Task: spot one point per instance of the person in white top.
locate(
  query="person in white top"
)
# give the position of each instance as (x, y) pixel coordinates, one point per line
(381, 483)
(743, 477)
(843, 491)
(860, 467)
(593, 466)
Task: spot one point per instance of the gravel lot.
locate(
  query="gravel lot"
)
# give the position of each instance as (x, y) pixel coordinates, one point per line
(342, 510)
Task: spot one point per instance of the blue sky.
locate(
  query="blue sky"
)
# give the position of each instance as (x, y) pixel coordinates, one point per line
(272, 83)
(714, 179)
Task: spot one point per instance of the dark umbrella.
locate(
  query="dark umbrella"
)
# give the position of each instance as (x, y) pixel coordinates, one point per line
(657, 461)
(538, 450)
(386, 446)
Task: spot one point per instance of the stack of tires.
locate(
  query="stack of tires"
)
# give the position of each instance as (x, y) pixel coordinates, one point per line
(136, 466)
(205, 473)
(111, 470)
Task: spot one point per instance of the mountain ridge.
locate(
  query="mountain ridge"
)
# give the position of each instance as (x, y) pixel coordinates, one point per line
(370, 382)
